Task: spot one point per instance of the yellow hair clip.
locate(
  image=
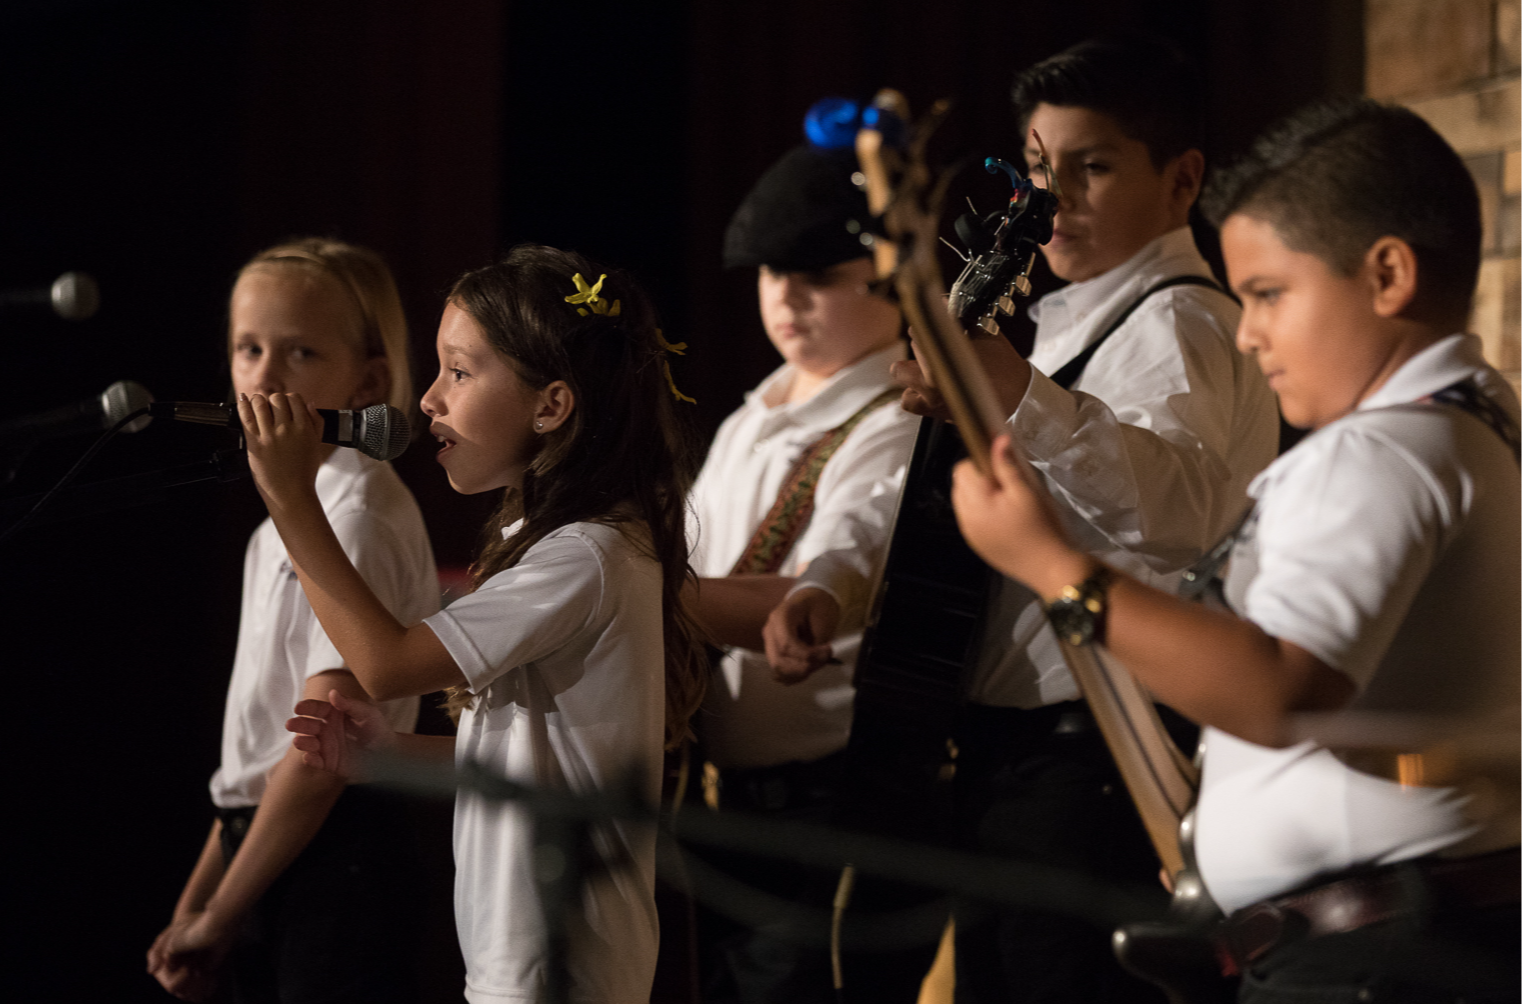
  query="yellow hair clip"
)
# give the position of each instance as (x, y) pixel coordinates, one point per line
(681, 349)
(589, 295)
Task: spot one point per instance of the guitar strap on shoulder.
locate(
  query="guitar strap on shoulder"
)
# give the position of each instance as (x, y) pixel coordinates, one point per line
(790, 514)
(1467, 396)
(1069, 373)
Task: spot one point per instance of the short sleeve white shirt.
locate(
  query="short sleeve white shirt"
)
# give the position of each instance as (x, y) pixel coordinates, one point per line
(280, 642)
(751, 720)
(564, 655)
(1387, 546)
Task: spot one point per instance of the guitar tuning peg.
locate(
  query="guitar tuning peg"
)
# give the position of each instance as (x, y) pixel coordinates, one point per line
(1006, 305)
(989, 325)
(1021, 286)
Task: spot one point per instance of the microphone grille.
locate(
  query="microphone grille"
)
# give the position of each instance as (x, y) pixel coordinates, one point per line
(122, 399)
(384, 432)
(75, 296)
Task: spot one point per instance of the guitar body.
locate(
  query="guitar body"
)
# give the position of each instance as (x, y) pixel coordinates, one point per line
(919, 644)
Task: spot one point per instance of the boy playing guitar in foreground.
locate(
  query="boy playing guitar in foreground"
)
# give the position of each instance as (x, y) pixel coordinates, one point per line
(1377, 576)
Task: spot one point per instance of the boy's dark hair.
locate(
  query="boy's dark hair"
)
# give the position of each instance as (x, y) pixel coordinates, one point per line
(1144, 82)
(1336, 176)
(626, 456)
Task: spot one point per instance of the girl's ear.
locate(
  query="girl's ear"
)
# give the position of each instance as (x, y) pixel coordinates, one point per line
(1391, 266)
(553, 405)
(375, 384)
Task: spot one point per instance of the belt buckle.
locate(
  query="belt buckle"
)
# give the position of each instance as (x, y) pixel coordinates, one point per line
(1255, 931)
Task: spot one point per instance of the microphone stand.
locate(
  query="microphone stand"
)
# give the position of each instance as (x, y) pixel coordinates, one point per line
(224, 466)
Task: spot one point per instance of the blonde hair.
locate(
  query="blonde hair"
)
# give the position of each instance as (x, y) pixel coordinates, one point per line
(360, 271)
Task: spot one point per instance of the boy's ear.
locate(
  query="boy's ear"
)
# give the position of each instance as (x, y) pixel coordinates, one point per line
(556, 402)
(1391, 268)
(1189, 172)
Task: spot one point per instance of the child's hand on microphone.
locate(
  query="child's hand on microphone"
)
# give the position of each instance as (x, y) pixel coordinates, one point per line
(284, 437)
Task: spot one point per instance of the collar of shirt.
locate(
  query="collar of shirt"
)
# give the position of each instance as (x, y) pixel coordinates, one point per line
(1069, 319)
(1447, 361)
(837, 399)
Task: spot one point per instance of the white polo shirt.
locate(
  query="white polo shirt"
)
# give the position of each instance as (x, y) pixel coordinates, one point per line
(564, 653)
(751, 720)
(1148, 457)
(1386, 545)
(280, 643)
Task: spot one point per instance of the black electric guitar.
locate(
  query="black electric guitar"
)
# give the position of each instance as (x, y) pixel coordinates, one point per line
(927, 619)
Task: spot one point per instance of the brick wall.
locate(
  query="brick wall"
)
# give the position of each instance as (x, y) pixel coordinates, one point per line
(1455, 63)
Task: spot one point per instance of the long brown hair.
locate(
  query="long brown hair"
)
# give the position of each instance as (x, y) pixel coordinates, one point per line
(626, 456)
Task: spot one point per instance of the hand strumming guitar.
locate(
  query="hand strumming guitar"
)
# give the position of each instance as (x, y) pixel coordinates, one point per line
(798, 634)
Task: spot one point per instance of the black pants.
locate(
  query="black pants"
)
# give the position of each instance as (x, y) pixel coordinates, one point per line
(1471, 958)
(761, 965)
(341, 924)
(1040, 786)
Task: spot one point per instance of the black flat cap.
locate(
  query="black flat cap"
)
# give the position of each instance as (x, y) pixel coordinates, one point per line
(796, 217)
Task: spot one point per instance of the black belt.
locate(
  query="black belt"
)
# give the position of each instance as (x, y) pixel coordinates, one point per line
(1367, 896)
(793, 785)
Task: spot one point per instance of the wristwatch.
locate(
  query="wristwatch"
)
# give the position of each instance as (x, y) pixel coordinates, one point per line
(1078, 614)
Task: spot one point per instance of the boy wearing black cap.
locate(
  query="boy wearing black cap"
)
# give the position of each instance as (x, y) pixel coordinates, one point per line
(813, 442)
(1147, 427)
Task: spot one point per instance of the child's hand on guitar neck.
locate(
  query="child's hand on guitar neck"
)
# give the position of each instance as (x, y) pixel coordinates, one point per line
(1007, 371)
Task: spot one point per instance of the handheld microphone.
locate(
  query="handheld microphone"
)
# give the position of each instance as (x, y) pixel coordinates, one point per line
(94, 414)
(379, 431)
(73, 296)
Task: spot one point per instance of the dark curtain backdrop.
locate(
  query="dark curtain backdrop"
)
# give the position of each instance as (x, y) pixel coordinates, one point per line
(159, 143)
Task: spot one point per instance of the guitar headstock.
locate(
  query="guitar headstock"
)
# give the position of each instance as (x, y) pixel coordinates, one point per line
(1002, 249)
(906, 199)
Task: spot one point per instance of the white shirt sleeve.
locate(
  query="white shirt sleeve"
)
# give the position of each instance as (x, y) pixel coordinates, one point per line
(1138, 458)
(525, 612)
(380, 558)
(862, 535)
(869, 466)
(1343, 545)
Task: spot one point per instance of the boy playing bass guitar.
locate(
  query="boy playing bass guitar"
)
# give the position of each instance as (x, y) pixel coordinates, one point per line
(1146, 427)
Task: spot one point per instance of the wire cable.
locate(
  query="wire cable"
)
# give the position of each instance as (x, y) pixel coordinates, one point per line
(72, 473)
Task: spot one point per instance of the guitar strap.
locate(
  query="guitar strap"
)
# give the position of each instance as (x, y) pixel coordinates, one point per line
(790, 514)
(1068, 375)
(1467, 396)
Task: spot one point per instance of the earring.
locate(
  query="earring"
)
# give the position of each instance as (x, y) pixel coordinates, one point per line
(539, 426)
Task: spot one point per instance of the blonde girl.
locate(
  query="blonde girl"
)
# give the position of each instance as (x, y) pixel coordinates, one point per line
(304, 889)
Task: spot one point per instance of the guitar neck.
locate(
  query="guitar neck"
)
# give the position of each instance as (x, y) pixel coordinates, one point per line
(941, 344)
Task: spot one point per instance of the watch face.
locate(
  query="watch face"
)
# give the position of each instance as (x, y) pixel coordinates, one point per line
(1072, 620)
